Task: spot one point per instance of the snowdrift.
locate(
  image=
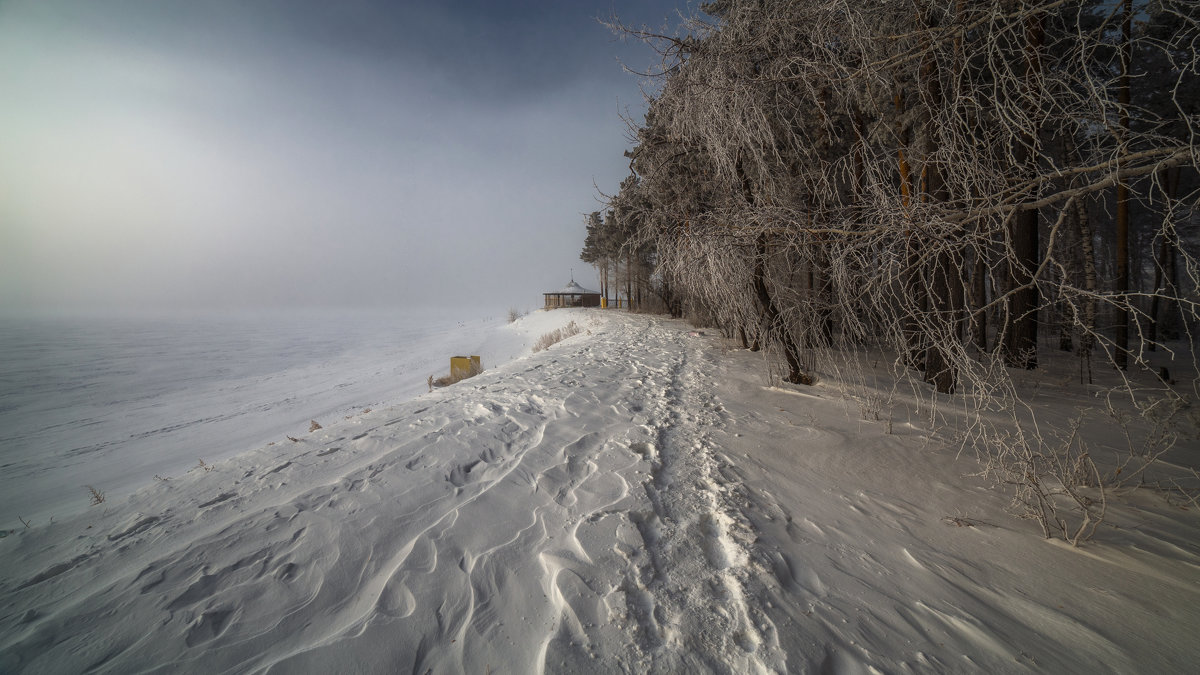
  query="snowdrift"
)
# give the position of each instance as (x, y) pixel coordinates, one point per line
(632, 499)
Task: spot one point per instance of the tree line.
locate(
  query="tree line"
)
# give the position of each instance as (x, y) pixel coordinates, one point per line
(962, 185)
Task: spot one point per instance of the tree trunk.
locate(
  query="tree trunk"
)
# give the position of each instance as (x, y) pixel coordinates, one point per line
(914, 289)
(1122, 335)
(1164, 268)
(1087, 256)
(640, 285)
(1020, 342)
(773, 319)
(979, 300)
(945, 293)
(1019, 348)
(607, 269)
(1066, 319)
(629, 280)
(945, 288)
(901, 146)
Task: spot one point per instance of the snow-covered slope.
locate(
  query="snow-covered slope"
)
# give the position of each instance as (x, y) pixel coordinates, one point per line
(111, 401)
(630, 500)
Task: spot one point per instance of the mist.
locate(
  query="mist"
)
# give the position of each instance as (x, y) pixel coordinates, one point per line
(163, 155)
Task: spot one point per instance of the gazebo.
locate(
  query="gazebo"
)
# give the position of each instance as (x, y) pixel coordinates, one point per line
(572, 295)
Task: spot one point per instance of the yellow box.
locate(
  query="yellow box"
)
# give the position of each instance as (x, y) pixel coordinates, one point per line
(465, 366)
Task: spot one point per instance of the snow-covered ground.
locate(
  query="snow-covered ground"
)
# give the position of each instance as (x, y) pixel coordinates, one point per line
(112, 401)
(634, 499)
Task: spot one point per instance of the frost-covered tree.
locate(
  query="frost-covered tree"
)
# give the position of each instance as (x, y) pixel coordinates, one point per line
(931, 179)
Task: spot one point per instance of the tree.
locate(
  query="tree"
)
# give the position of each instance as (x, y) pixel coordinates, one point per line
(829, 176)
(598, 249)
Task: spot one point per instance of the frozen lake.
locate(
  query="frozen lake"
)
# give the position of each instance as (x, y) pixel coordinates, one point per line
(113, 402)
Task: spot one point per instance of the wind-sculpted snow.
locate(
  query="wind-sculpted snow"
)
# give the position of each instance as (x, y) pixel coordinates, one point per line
(630, 500)
(114, 401)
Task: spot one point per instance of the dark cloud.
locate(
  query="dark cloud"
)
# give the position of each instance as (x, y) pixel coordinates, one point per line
(304, 152)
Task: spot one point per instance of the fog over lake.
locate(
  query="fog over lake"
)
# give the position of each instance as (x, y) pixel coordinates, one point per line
(226, 154)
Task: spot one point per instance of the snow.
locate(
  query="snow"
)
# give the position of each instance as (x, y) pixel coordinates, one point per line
(634, 499)
(114, 401)
(573, 288)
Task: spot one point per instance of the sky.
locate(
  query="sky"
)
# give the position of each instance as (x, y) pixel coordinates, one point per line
(174, 154)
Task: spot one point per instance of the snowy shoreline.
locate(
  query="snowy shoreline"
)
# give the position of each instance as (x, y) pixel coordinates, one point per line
(631, 499)
(113, 401)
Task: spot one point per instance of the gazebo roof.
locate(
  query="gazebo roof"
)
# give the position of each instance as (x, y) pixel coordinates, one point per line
(573, 289)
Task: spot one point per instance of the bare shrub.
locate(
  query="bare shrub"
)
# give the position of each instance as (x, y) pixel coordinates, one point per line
(313, 426)
(96, 495)
(514, 314)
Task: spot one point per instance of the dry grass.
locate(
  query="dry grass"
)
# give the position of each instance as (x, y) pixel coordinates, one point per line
(456, 377)
(556, 336)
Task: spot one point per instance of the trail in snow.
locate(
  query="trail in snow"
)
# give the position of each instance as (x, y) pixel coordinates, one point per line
(630, 500)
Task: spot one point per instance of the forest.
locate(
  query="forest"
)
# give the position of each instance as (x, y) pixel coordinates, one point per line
(964, 190)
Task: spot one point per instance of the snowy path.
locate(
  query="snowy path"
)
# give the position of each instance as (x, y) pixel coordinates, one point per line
(669, 594)
(630, 500)
(564, 511)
